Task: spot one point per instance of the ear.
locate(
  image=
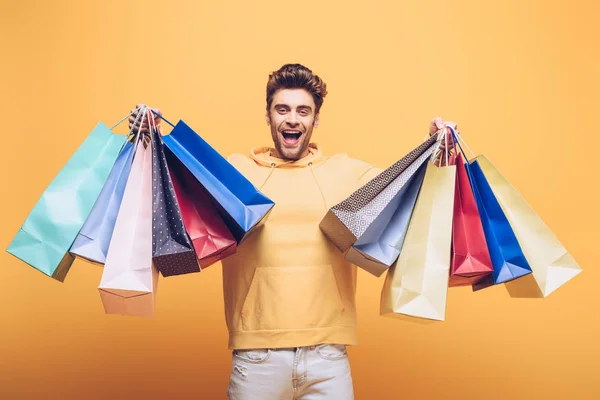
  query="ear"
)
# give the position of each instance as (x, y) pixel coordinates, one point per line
(316, 121)
(268, 118)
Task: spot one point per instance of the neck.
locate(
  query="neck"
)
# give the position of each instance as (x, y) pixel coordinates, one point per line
(277, 154)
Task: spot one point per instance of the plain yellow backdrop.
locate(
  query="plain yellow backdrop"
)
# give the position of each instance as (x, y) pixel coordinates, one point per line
(519, 77)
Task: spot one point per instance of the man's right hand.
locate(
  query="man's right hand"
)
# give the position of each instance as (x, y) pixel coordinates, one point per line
(145, 128)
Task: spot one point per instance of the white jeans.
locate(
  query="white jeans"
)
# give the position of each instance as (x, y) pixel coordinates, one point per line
(301, 373)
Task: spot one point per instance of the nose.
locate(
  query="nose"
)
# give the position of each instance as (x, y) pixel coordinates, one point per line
(292, 119)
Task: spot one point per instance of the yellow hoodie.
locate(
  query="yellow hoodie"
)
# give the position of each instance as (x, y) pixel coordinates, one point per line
(287, 285)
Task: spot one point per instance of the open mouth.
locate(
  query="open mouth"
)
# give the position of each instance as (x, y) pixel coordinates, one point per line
(291, 137)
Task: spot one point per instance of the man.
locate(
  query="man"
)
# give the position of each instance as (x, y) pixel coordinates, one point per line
(289, 294)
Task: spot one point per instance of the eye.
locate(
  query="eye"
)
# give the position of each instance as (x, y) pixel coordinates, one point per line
(303, 112)
(281, 110)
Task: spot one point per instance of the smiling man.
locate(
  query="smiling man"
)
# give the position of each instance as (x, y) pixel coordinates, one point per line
(293, 112)
(289, 293)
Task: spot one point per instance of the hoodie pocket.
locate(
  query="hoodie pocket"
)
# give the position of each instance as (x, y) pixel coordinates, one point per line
(292, 298)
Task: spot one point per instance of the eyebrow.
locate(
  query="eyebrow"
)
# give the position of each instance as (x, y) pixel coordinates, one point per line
(303, 106)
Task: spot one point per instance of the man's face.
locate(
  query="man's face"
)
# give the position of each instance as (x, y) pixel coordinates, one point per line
(292, 119)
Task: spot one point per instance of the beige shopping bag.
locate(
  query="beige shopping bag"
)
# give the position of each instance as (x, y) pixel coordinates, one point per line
(417, 284)
(551, 263)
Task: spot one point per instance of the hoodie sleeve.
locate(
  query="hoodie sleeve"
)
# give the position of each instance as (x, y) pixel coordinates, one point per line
(369, 173)
(360, 172)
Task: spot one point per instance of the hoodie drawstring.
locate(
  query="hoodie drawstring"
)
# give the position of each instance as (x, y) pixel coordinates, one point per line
(268, 176)
(318, 186)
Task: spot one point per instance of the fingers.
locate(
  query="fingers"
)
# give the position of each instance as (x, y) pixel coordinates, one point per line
(435, 125)
(438, 123)
(157, 118)
(451, 124)
(136, 128)
(143, 122)
(138, 125)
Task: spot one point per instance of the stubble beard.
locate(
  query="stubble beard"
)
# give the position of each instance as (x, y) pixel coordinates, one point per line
(291, 154)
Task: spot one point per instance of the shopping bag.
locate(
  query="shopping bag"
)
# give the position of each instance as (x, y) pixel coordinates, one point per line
(507, 257)
(129, 278)
(48, 232)
(379, 247)
(172, 250)
(417, 284)
(470, 256)
(93, 239)
(241, 205)
(551, 263)
(210, 236)
(348, 220)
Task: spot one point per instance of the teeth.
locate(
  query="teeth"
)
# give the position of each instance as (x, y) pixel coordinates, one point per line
(292, 132)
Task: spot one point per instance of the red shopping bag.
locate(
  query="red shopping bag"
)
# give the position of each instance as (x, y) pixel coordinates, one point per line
(211, 238)
(471, 260)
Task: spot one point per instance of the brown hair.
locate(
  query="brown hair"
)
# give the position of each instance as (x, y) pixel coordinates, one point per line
(296, 76)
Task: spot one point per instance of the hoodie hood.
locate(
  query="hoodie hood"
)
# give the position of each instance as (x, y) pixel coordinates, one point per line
(262, 156)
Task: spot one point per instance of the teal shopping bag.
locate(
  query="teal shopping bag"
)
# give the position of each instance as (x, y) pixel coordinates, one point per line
(48, 232)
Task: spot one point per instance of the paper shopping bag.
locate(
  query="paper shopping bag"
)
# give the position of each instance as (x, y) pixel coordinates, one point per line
(210, 236)
(508, 259)
(129, 278)
(347, 221)
(172, 250)
(379, 247)
(470, 256)
(48, 232)
(417, 284)
(551, 263)
(93, 239)
(241, 205)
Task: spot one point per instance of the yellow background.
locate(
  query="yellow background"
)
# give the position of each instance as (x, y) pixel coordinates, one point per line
(520, 78)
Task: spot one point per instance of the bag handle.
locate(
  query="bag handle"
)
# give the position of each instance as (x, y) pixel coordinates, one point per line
(163, 118)
(460, 140)
(136, 139)
(139, 112)
(438, 143)
(137, 117)
(152, 124)
(470, 176)
(453, 145)
(444, 136)
(124, 118)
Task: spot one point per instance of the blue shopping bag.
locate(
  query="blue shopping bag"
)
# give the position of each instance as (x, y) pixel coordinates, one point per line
(48, 232)
(241, 205)
(93, 239)
(508, 259)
